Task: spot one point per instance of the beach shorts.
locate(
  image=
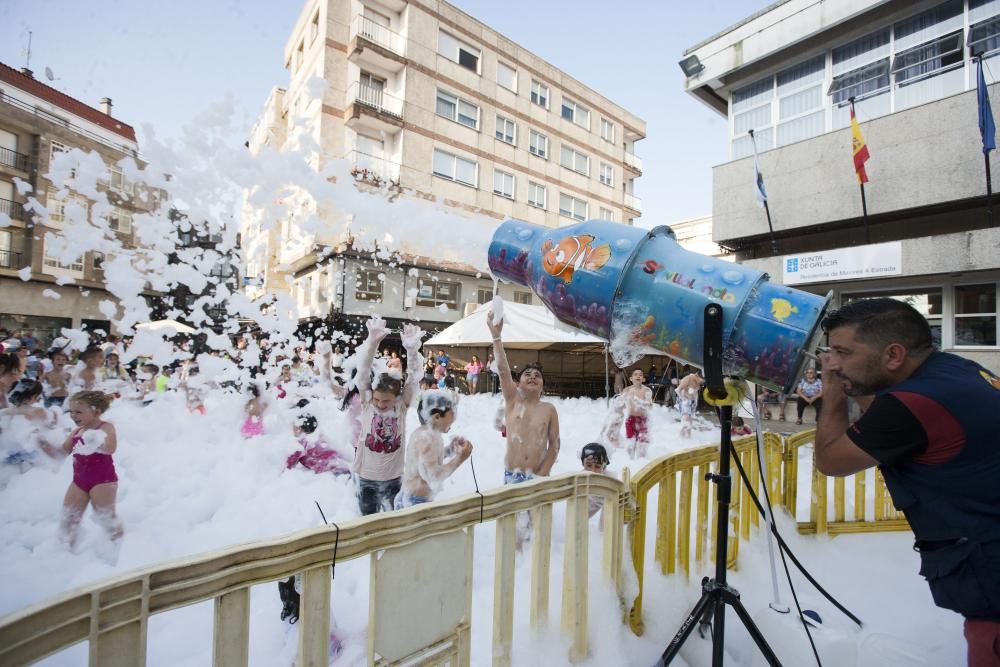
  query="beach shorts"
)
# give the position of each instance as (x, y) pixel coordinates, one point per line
(637, 427)
(407, 500)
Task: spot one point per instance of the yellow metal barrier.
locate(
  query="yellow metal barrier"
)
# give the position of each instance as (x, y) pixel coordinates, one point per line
(113, 614)
(678, 475)
(883, 516)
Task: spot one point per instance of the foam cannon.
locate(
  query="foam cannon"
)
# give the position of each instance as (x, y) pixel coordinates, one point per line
(643, 292)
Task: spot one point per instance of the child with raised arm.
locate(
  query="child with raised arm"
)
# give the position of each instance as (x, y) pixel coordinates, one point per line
(687, 401)
(532, 424)
(378, 458)
(427, 461)
(638, 400)
(92, 444)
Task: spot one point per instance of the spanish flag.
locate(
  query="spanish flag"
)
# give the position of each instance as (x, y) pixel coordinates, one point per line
(860, 149)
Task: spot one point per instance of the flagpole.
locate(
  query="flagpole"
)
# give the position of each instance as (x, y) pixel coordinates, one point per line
(986, 150)
(864, 200)
(767, 209)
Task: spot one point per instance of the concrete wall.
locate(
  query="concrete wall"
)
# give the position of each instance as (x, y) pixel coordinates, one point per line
(923, 156)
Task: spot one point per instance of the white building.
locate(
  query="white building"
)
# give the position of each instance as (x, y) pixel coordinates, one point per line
(428, 99)
(788, 73)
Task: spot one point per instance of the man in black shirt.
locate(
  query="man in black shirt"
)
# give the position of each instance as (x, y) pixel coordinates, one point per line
(931, 422)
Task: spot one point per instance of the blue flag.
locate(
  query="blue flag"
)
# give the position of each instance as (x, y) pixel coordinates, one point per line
(987, 126)
(758, 178)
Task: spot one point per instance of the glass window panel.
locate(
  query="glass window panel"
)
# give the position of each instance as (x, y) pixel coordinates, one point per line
(983, 9)
(979, 330)
(465, 171)
(984, 38)
(506, 76)
(928, 25)
(742, 146)
(444, 164)
(811, 71)
(800, 102)
(752, 120)
(801, 128)
(861, 52)
(976, 299)
(863, 81)
(468, 59)
(753, 95)
(446, 105)
(468, 114)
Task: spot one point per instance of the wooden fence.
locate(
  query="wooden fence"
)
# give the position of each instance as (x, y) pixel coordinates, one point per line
(113, 615)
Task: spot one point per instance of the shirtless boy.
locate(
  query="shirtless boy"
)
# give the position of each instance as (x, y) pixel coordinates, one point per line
(638, 400)
(532, 424)
(427, 461)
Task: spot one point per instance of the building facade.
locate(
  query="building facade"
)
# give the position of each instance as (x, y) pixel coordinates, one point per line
(790, 73)
(41, 294)
(429, 101)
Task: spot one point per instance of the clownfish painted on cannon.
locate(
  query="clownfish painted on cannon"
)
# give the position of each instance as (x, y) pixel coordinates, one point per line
(624, 283)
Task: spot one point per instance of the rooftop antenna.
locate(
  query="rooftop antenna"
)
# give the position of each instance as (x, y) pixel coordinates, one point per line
(27, 61)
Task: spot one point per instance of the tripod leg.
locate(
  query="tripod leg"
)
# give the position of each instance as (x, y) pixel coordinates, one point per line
(674, 647)
(754, 631)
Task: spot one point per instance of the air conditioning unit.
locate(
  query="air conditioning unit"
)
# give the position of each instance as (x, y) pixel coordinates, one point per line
(409, 301)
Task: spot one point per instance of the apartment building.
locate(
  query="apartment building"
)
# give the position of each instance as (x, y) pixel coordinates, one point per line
(789, 73)
(433, 103)
(37, 122)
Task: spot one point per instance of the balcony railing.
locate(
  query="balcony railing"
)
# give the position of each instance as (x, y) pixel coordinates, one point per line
(10, 259)
(633, 160)
(12, 209)
(372, 169)
(378, 34)
(375, 97)
(633, 202)
(10, 158)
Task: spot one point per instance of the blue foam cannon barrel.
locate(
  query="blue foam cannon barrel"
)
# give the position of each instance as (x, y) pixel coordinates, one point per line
(639, 287)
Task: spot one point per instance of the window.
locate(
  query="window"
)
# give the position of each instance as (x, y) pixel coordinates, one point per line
(571, 207)
(369, 286)
(984, 37)
(538, 144)
(54, 263)
(455, 108)
(607, 214)
(120, 221)
(539, 94)
(928, 43)
(484, 295)
(55, 206)
(119, 182)
(976, 315)
(299, 55)
(576, 113)
(801, 105)
(607, 174)
(98, 259)
(861, 68)
(458, 51)
(434, 293)
(503, 184)
(750, 107)
(455, 168)
(314, 27)
(575, 160)
(54, 149)
(507, 76)
(607, 130)
(927, 301)
(522, 297)
(537, 195)
(506, 130)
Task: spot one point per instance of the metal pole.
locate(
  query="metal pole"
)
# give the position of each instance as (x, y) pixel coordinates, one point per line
(989, 191)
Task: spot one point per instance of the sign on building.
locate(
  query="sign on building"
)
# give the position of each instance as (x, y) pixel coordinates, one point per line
(857, 263)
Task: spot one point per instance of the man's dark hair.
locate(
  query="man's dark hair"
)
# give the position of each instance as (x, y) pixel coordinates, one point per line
(306, 422)
(882, 321)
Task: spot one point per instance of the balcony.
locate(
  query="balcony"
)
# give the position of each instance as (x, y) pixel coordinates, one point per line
(374, 44)
(12, 209)
(372, 108)
(633, 162)
(15, 160)
(633, 203)
(10, 259)
(373, 170)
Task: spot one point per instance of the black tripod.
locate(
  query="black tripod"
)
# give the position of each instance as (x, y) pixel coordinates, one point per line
(710, 610)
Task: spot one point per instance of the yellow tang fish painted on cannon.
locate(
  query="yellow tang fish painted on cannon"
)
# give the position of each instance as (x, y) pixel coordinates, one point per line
(573, 253)
(781, 309)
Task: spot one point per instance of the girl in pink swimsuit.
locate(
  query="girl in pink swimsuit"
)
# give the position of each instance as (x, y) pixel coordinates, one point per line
(94, 479)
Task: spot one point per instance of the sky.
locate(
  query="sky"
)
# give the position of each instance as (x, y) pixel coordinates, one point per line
(163, 63)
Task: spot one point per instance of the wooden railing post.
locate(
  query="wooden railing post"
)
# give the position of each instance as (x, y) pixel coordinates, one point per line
(314, 618)
(231, 640)
(503, 590)
(124, 645)
(684, 522)
(575, 582)
(541, 550)
(860, 501)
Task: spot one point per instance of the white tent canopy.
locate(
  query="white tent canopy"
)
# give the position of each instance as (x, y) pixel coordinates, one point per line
(525, 328)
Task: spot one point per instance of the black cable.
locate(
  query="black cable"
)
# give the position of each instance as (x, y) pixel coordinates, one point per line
(475, 481)
(786, 549)
(336, 541)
